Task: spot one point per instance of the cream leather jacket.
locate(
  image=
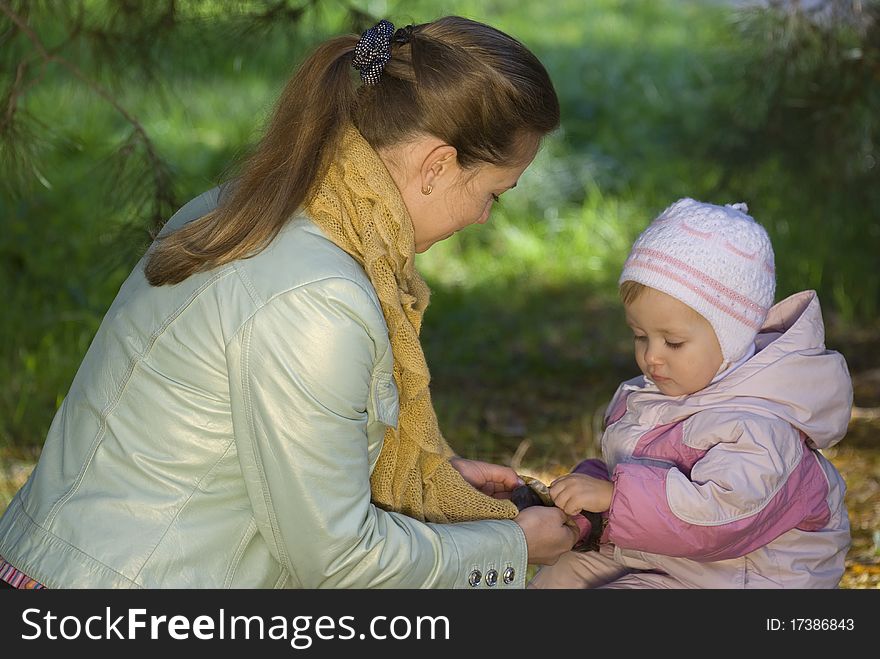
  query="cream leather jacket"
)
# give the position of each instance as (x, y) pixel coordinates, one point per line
(221, 432)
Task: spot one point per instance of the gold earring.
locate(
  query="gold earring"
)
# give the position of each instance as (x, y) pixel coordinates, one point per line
(427, 190)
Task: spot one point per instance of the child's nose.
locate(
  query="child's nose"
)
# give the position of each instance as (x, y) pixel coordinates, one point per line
(652, 355)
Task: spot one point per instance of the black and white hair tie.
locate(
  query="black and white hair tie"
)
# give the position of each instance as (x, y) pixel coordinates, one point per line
(373, 51)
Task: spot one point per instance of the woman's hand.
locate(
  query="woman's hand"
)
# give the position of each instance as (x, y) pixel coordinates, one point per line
(491, 479)
(576, 492)
(548, 533)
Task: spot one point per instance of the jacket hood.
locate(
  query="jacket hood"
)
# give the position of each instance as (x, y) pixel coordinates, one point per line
(791, 375)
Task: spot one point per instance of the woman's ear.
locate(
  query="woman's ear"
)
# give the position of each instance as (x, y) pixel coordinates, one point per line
(439, 163)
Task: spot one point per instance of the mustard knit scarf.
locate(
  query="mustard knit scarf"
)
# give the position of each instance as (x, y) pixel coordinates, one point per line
(358, 206)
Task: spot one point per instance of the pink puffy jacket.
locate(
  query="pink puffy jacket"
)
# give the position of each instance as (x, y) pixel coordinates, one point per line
(727, 488)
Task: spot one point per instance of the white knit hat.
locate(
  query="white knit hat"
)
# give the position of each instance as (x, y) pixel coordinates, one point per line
(715, 259)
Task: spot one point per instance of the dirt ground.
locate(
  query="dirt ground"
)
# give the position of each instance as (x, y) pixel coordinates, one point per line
(857, 456)
(858, 459)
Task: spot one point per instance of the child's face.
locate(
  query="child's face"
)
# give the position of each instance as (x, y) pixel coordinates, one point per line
(674, 345)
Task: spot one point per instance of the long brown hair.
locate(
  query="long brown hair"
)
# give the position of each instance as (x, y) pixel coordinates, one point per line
(464, 82)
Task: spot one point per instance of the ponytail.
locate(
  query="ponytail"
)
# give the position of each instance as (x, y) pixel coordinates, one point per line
(464, 82)
(276, 179)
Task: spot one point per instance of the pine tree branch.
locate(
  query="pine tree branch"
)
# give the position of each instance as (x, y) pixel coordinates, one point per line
(18, 88)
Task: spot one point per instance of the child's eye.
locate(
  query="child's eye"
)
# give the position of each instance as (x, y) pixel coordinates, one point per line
(636, 337)
(674, 346)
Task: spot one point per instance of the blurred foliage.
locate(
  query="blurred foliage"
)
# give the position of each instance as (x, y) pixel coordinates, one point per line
(116, 111)
(812, 79)
(804, 119)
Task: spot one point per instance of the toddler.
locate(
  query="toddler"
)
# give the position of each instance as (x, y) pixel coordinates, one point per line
(712, 474)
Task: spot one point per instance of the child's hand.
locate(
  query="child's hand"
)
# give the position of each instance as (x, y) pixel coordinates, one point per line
(576, 492)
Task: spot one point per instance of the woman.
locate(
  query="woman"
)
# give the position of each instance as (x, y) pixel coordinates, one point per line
(254, 409)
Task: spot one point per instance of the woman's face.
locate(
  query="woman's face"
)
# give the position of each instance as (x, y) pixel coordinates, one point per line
(467, 201)
(443, 198)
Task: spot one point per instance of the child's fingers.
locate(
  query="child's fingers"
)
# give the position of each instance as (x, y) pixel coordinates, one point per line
(560, 480)
(565, 501)
(562, 496)
(571, 509)
(559, 484)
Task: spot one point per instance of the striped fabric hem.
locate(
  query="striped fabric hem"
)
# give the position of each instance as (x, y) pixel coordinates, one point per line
(16, 578)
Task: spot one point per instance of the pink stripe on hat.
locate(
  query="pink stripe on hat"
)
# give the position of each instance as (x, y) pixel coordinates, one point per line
(715, 259)
(707, 281)
(709, 299)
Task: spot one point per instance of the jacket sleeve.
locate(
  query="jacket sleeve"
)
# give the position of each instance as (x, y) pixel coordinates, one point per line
(300, 374)
(754, 480)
